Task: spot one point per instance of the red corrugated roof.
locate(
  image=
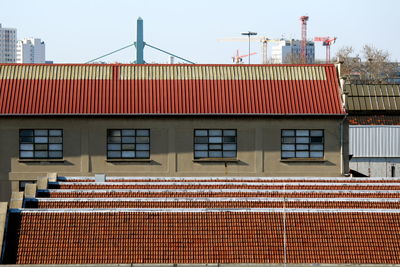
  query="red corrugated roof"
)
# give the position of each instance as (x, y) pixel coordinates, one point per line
(169, 89)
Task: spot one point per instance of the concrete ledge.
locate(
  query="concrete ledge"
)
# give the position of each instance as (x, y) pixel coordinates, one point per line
(52, 176)
(30, 191)
(3, 217)
(17, 199)
(42, 183)
(41, 160)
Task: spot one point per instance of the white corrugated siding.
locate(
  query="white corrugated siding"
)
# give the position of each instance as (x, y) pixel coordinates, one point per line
(374, 141)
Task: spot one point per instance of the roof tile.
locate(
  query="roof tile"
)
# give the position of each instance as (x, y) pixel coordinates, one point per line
(67, 234)
(374, 120)
(206, 238)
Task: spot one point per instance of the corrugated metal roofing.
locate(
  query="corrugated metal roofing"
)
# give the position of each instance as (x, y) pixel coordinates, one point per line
(381, 97)
(374, 141)
(168, 89)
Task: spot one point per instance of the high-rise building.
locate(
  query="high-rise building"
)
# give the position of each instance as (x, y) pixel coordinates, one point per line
(31, 50)
(289, 51)
(8, 41)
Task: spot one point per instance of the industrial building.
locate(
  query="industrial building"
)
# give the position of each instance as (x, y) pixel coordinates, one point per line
(185, 164)
(169, 120)
(289, 51)
(374, 129)
(8, 41)
(31, 50)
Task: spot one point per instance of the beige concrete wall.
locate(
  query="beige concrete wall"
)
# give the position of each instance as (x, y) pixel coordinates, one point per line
(3, 219)
(171, 148)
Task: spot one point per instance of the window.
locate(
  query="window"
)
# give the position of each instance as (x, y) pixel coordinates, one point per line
(214, 144)
(41, 144)
(128, 143)
(302, 144)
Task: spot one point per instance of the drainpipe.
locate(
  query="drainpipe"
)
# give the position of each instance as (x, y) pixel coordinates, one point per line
(341, 146)
(343, 93)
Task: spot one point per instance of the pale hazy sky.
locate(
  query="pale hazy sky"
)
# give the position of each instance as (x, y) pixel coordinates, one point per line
(76, 31)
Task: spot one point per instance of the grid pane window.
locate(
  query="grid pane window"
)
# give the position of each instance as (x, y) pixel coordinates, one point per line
(215, 143)
(302, 144)
(128, 143)
(41, 144)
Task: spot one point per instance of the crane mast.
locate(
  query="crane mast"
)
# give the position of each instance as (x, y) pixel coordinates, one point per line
(303, 46)
(327, 42)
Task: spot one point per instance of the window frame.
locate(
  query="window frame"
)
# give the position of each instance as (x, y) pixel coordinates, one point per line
(47, 143)
(220, 143)
(122, 143)
(309, 143)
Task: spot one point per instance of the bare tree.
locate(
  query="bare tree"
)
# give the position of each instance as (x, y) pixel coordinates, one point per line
(293, 58)
(374, 67)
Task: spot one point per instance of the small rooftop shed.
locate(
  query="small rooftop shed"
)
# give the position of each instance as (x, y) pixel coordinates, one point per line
(374, 118)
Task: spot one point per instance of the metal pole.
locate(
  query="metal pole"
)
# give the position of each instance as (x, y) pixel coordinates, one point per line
(249, 33)
(249, 49)
(139, 42)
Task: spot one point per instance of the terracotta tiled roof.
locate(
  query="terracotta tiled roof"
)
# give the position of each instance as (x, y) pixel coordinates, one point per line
(129, 194)
(374, 120)
(81, 238)
(208, 220)
(168, 89)
(227, 185)
(111, 204)
(310, 180)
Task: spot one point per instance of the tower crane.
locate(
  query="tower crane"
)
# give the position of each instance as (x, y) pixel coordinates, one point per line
(303, 46)
(239, 59)
(263, 40)
(327, 42)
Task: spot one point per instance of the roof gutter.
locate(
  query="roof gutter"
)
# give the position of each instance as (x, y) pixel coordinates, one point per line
(217, 265)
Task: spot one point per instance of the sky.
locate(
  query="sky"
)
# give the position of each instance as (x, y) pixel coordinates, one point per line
(76, 31)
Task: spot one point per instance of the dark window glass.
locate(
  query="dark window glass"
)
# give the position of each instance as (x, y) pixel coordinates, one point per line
(128, 143)
(302, 144)
(215, 143)
(41, 144)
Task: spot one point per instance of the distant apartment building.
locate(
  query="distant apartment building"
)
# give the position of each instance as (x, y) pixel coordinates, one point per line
(288, 51)
(31, 50)
(8, 40)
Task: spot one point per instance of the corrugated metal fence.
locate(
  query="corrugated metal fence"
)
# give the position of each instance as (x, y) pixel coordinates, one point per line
(374, 141)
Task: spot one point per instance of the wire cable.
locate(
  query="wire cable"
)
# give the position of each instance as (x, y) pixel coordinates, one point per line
(115, 51)
(146, 44)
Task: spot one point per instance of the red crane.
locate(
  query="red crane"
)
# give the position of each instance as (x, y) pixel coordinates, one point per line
(303, 21)
(327, 42)
(239, 59)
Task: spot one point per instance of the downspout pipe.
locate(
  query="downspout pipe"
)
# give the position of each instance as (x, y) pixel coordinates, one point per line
(342, 93)
(342, 159)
